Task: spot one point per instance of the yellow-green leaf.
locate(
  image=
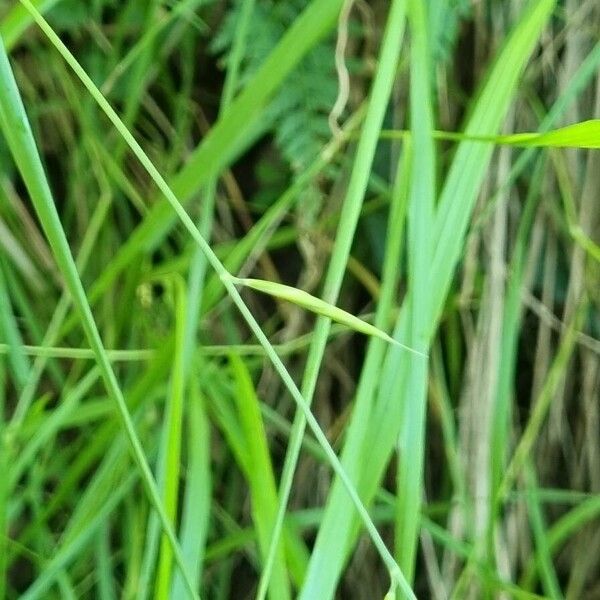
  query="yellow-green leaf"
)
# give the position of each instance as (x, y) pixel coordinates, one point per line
(316, 305)
(579, 135)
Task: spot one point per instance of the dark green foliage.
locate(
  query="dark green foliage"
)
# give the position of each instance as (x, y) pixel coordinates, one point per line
(299, 112)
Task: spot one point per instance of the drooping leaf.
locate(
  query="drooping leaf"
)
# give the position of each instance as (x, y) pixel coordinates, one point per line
(318, 306)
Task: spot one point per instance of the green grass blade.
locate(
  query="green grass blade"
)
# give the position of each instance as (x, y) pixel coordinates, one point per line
(197, 496)
(199, 263)
(540, 534)
(173, 430)
(16, 129)
(562, 529)
(16, 22)
(320, 307)
(411, 443)
(511, 325)
(592, 249)
(542, 404)
(60, 313)
(106, 587)
(197, 501)
(579, 135)
(353, 457)
(260, 474)
(471, 159)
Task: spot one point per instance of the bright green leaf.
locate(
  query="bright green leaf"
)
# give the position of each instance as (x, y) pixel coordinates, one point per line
(318, 306)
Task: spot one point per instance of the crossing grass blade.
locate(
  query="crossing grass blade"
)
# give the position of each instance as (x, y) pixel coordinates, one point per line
(194, 527)
(395, 573)
(378, 99)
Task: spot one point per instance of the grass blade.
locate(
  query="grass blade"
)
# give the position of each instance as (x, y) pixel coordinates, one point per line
(471, 159)
(320, 307)
(260, 474)
(579, 135)
(197, 498)
(411, 443)
(379, 97)
(536, 517)
(16, 129)
(10, 332)
(171, 454)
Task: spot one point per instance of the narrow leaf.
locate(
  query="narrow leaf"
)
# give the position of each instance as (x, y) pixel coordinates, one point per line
(578, 135)
(320, 307)
(259, 474)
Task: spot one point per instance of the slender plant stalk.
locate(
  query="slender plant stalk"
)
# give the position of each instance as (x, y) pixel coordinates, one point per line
(225, 277)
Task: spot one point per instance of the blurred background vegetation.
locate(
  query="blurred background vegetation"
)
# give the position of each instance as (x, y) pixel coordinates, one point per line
(255, 114)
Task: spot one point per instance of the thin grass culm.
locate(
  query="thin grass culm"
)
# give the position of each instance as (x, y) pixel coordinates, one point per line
(394, 570)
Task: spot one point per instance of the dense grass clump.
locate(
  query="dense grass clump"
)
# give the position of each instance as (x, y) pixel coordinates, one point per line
(299, 299)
